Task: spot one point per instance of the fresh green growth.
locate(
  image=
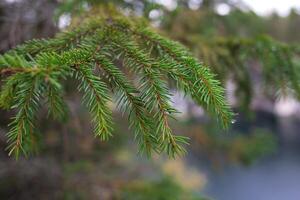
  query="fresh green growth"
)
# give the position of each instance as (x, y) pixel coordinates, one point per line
(110, 56)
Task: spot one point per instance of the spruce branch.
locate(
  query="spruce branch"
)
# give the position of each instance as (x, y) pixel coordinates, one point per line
(130, 103)
(37, 69)
(27, 101)
(154, 93)
(206, 90)
(96, 98)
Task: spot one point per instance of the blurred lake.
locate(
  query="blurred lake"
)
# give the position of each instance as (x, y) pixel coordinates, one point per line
(276, 177)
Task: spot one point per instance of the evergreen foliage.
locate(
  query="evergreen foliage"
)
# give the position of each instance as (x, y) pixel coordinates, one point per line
(92, 53)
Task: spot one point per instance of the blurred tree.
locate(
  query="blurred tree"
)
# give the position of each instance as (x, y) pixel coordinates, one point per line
(24, 20)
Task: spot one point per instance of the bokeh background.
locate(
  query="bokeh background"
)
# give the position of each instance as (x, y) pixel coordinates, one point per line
(257, 158)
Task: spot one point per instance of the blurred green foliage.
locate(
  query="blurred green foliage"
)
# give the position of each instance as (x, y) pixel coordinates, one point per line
(164, 189)
(249, 149)
(232, 147)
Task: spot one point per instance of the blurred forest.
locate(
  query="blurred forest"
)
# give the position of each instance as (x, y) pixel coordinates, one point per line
(255, 57)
